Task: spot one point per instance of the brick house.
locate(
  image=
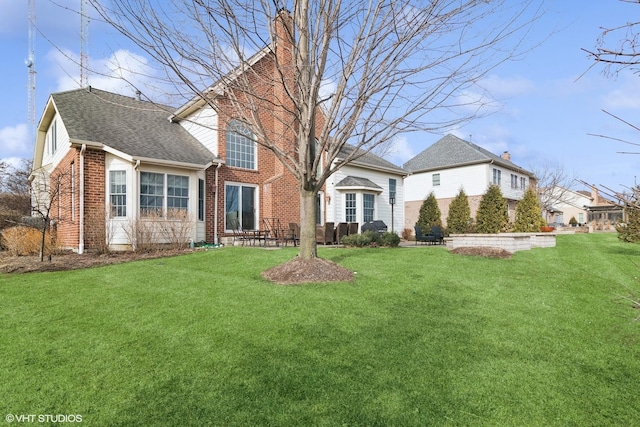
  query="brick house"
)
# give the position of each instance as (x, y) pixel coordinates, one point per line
(124, 159)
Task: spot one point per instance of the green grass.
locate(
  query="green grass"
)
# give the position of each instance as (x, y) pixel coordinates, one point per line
(421, 337)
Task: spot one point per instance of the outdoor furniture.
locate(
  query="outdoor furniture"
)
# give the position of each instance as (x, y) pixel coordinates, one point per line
(273, 232)
(438, 234)
(377, 226)
(342, 229)
(425, 238)
(292, 234)
(324, 233)
(239, 235)
(353, 228)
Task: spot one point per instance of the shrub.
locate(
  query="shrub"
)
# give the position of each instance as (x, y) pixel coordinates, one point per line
(23, 240)
(492, 215)
(429, 213)
(407, 233)
(528, 214)
(459, 218)
(573, 221)
(389, 239)
(368, 238)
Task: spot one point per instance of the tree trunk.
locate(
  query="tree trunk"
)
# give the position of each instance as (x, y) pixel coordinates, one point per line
(308, 246)
(42, 238)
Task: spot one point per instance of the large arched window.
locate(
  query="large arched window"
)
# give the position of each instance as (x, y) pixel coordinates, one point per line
(241, 146)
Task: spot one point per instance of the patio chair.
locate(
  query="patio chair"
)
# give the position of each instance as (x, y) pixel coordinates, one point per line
(324, 233)
(273, 232)
(239, 235)
(353, 228)
(438, 234)
(425, 238)
(292, 234)
(342, 229)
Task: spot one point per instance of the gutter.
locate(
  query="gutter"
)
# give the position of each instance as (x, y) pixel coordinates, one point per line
(215, 209)
(81, 207)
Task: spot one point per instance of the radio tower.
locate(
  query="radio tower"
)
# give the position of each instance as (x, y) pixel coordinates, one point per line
(84, 33)
(31, 66)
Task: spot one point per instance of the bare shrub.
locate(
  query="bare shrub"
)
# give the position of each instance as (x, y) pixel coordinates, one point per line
(99, 230)
(176, 228)
(21, 240)
(407, 234)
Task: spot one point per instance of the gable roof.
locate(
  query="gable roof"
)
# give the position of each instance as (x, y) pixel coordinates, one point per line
(451, 151)
(137, 128)
(359, 182)
(370, 160)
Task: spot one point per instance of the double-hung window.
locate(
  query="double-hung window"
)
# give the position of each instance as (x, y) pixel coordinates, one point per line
(350, 207)
(201, 200)
(497, 176)
(241, 146)
(368, 206)
(118, 193)
(177, 192)
(151, 193)
(523, 183)
(514, 181)
(436, 179)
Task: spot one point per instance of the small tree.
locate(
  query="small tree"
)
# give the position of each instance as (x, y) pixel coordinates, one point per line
(429, 213)
(459, 218)
(46, 191)
(629, 231)
(528, 214)
(493, 214)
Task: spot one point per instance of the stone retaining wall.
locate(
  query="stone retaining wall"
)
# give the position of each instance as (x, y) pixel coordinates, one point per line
(511, 242)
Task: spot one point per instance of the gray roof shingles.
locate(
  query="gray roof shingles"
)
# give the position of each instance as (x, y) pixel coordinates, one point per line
(451, 151)
(134, 127)
(356, 181)
(371, 160)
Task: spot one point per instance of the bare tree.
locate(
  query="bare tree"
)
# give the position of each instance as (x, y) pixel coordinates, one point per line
(357, 73)
(553, 185)
(46, 193)
(15, 199)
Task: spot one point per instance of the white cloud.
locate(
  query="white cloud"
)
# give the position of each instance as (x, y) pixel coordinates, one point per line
(624, 95)
(400, 150)
(500, 87)
(14, 141)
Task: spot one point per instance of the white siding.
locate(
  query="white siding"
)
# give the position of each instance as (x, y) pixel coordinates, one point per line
(203, 125)
(49, 155)
(119, 225)
(473, 179)
(382, 209)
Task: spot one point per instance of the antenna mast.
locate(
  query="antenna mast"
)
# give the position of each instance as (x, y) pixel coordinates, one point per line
(84, 33)
(31, 66)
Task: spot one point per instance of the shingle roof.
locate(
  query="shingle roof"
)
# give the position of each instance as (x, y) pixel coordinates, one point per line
(371, 160)
(451, 151)
(356, 181)
(137, 128)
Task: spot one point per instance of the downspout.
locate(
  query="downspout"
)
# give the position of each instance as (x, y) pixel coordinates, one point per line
(215, 209)
(81, 213)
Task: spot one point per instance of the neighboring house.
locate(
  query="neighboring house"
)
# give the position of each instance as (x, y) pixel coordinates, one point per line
(453, 163)
(128, 159)
(587, 207)
(367, 189)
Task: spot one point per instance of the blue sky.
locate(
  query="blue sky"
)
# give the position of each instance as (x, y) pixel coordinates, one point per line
(545, 117)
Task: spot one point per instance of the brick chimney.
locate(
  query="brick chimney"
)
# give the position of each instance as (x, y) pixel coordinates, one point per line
(506, 156)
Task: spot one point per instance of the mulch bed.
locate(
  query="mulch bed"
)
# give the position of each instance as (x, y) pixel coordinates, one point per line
(299, 271)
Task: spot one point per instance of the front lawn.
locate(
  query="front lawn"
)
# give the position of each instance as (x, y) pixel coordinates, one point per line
(420, 337)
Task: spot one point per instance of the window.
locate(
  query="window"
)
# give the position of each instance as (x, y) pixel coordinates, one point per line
(368, 201)
(514, 181)
(201, 200)
(177, 192)
(240, 203)
(350, 207)
(497, 176)
(581, 218)
(436, 179)
(151, 193)
(118, 193)
(392, 191)
(523, 183)
(54, 136)
(319, 208)
(241, 148)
